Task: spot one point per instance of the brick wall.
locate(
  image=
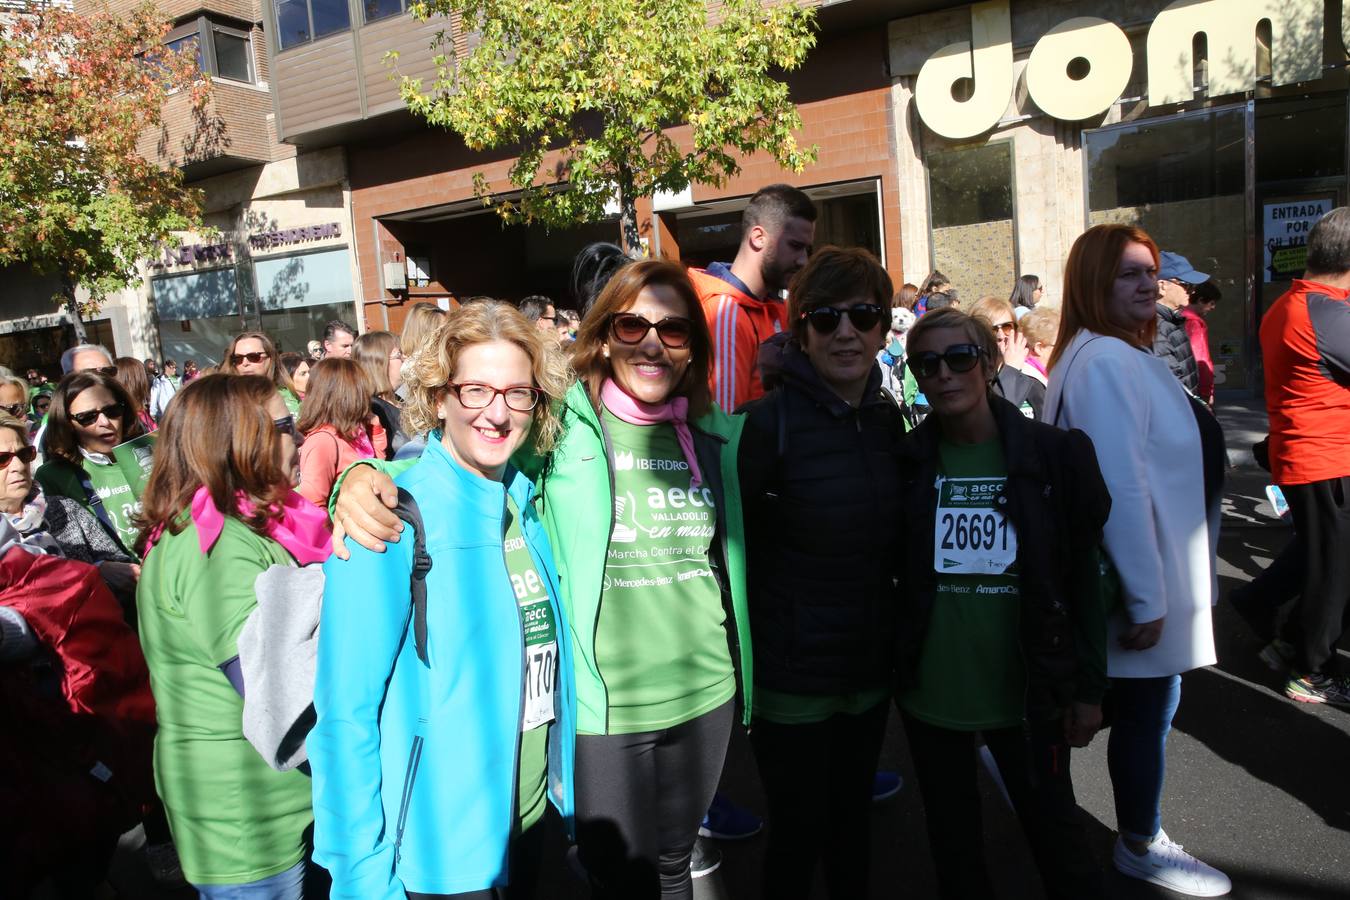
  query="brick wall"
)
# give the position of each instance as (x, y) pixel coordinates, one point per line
(234, 123)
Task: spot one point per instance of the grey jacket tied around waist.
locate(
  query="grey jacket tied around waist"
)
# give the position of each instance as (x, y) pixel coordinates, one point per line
(278, 655)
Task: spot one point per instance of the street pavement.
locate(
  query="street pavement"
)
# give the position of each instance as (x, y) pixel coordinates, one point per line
(1256, 784)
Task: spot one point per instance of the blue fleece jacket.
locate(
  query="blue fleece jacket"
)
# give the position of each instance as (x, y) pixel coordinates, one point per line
(415, 765)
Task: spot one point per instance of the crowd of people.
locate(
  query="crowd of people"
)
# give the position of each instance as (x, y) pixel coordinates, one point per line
(393, 608)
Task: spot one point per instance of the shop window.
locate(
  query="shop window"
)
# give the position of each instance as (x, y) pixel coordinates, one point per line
(299, 294)
(1298, 140)
(1182, 180)
(419, 269)
(198, 312)
(970, 195)
(300, 21)
(221, 50)
(382, 9)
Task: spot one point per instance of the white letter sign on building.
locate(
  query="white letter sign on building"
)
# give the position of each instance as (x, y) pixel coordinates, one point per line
(1229, 27)
(986, 58)
(1105, 48)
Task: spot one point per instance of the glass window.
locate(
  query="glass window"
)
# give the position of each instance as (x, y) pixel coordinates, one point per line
(381, 9)
(198, 314)
(292, 23)
(1182, 180)
(329, 16)
(970, 193)
(233, 55)
(188, 42)
(311, 279)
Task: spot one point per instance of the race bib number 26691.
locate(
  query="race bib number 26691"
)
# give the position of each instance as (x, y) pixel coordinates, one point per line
(972, 536)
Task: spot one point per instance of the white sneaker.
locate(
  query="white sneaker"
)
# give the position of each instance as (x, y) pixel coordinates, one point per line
(1168, 865)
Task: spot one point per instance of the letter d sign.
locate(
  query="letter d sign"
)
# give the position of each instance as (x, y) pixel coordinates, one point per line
(987, 58)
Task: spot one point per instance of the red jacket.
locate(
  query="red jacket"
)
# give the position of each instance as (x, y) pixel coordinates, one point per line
(1197, 330)
(739, 324)
(1305, 345)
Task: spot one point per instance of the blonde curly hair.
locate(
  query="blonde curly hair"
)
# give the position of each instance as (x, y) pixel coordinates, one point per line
(433, 366)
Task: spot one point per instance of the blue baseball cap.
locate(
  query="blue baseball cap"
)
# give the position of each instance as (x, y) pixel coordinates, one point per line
(1175, 267)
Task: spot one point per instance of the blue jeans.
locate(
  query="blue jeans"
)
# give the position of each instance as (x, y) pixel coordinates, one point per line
(287, 885)
(1137, 749)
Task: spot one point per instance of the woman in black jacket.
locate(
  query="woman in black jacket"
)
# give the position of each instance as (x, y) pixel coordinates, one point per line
(819, 471)
(1003, 630)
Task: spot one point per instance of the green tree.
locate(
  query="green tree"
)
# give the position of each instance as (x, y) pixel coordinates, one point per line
(77, 200)
(601, 82)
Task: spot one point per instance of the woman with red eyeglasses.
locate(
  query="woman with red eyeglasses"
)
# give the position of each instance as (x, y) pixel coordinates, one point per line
(253, 353)
(641, 502)
(91, 413)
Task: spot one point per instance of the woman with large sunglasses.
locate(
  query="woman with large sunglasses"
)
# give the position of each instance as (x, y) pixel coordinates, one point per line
(434, 757)
(253, 353)
(641, 501)
(220, 509)
(1012, 384)
(1004, 626)
(91, 413)
(820, 473)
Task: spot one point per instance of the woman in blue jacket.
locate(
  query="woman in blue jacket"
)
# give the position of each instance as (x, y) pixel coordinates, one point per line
(433, 755)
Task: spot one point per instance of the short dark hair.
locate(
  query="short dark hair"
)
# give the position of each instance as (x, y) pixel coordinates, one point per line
(534, 306)
(592, 269)
(939, 300)
(1329, 244)
(833, 274)
(773, 205)
(333, 327)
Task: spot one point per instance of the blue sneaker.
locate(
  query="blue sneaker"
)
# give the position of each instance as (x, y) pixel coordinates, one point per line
(726, 821)
(886, 785)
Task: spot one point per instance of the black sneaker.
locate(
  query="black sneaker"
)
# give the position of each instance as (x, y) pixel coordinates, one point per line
(1317, 688)
(705, 859)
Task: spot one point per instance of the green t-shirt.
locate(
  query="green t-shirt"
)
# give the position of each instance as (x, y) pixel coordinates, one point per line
(970, 674)
(661, 641)
(541, 670)
(803, 709)
(234, 820)
(119, 500)
(292, 402)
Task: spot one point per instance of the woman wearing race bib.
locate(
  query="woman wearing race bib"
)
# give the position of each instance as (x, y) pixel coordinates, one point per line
(446, 714)
(1004, 627)
(91, 414)
(642, 504)
(820, 474)
(1105, 380)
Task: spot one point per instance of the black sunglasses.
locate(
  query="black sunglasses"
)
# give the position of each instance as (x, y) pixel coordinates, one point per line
(286, 425)
(25, 455)
(17, 410)
(473, 395)
(825, 319)
(110, 371)
(630, 328)
(958, 357)
(90, 416)
(255, 357)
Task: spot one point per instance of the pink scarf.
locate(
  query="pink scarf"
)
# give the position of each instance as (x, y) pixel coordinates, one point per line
(635, 412)
(302, 529)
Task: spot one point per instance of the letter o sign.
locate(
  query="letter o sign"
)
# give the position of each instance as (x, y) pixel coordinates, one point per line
(1109, 57)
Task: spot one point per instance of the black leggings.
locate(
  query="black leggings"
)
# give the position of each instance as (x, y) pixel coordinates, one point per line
(640, 799)
(812, 774)
(1034, 763)
(1321, 512)
(527, 849)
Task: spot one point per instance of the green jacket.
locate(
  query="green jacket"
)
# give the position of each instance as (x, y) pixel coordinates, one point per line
(574, 490)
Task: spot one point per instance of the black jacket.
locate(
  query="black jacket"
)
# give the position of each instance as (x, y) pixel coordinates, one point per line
(1173, 346)
(1057, 503)
(1017, 387)
(820, 489)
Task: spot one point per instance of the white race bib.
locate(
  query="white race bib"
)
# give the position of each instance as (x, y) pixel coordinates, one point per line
(972, 536)
(541, 673)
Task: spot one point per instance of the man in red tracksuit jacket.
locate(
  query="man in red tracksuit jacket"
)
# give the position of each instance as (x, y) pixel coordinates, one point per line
(1305, 345)
(742, 300)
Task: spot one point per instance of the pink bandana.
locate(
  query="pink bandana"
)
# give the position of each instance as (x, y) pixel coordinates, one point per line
(302, 529)
(635, 412)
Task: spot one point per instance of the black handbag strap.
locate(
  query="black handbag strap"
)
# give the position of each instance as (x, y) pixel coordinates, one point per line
(408, 511)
